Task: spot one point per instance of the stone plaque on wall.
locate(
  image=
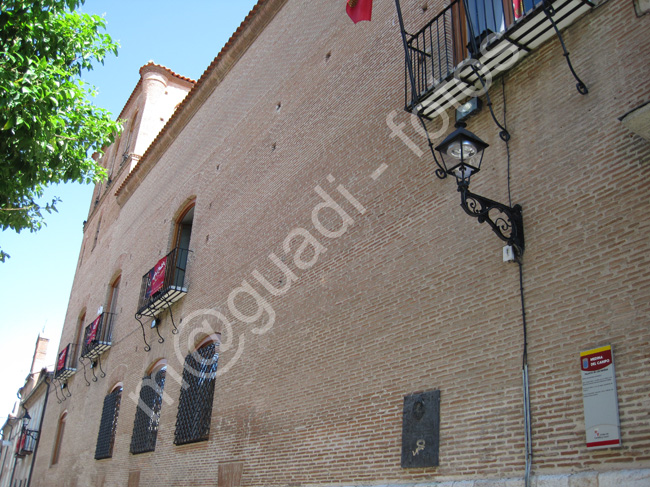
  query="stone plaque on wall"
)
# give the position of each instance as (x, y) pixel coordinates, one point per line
(421, 430)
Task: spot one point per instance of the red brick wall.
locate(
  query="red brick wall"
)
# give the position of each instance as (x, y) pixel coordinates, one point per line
(412, 296)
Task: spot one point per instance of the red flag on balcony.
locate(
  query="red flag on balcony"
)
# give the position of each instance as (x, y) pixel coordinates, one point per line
(92, 333)
(518, 7)
(158, 277)
(359, 10)
(63, 354)
(20, 444)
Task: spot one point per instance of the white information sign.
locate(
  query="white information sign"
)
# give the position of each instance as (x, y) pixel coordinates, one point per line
(600, 399)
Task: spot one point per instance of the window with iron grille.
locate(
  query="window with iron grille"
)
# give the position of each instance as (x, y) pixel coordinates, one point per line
(147, 415)
(195, 403)
(108, 425)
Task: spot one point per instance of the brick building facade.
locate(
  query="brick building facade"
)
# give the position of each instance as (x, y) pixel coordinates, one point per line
(22, 429)
(285, 217)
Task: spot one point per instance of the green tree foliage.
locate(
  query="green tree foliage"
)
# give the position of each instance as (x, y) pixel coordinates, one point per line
(48, 127)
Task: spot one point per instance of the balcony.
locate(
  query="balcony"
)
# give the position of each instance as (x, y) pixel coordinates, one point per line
(26, 443)
(66, 364)
(164, 284)
(98, 336)
(468, 37)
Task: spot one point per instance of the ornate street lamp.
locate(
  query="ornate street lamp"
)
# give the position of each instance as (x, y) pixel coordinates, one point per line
(462, 154)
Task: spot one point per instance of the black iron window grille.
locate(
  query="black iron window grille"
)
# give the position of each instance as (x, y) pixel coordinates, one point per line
(108, 425)
(195, 403)
(66, 363)
(147, 415)
(470, 41)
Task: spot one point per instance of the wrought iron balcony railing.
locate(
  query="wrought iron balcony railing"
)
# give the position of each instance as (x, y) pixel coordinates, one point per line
(470, 42)
(26, 443)
(66, 364)
(98, 336)
(164, 284)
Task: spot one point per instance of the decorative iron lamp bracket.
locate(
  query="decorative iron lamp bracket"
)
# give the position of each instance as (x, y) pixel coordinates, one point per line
(505, 221)
(461, 156)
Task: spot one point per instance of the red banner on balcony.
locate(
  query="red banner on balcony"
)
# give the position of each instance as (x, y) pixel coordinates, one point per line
(92, 333)
(359, 10)
(518, 7)
(20, 444)
(63, 355)
(157, 277)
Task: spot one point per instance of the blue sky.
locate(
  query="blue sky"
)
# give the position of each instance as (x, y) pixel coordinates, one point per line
(35, 282)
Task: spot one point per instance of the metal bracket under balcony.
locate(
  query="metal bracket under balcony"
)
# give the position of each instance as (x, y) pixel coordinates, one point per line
(66, 364)
(445, 62)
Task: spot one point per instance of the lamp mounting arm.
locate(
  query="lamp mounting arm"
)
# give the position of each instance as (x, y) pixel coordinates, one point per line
(505, 221)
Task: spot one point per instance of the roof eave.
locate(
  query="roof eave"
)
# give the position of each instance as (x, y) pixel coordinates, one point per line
(252, 26)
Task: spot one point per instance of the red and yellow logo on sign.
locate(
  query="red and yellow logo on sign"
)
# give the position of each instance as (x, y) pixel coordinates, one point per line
(596, 359)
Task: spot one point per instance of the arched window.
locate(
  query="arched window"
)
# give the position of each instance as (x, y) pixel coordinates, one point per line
(184, 226)
(195, 403)
(147, 415)
(130, 141)
(108, 424)
(111, 306)
(79, 335)
(181, 242)
(58, 439)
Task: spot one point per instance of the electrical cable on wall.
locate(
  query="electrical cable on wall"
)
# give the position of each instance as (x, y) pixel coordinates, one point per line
(527, 414)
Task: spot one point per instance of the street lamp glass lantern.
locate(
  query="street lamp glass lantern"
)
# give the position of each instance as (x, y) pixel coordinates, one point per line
(26, 419)
(462, 154)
